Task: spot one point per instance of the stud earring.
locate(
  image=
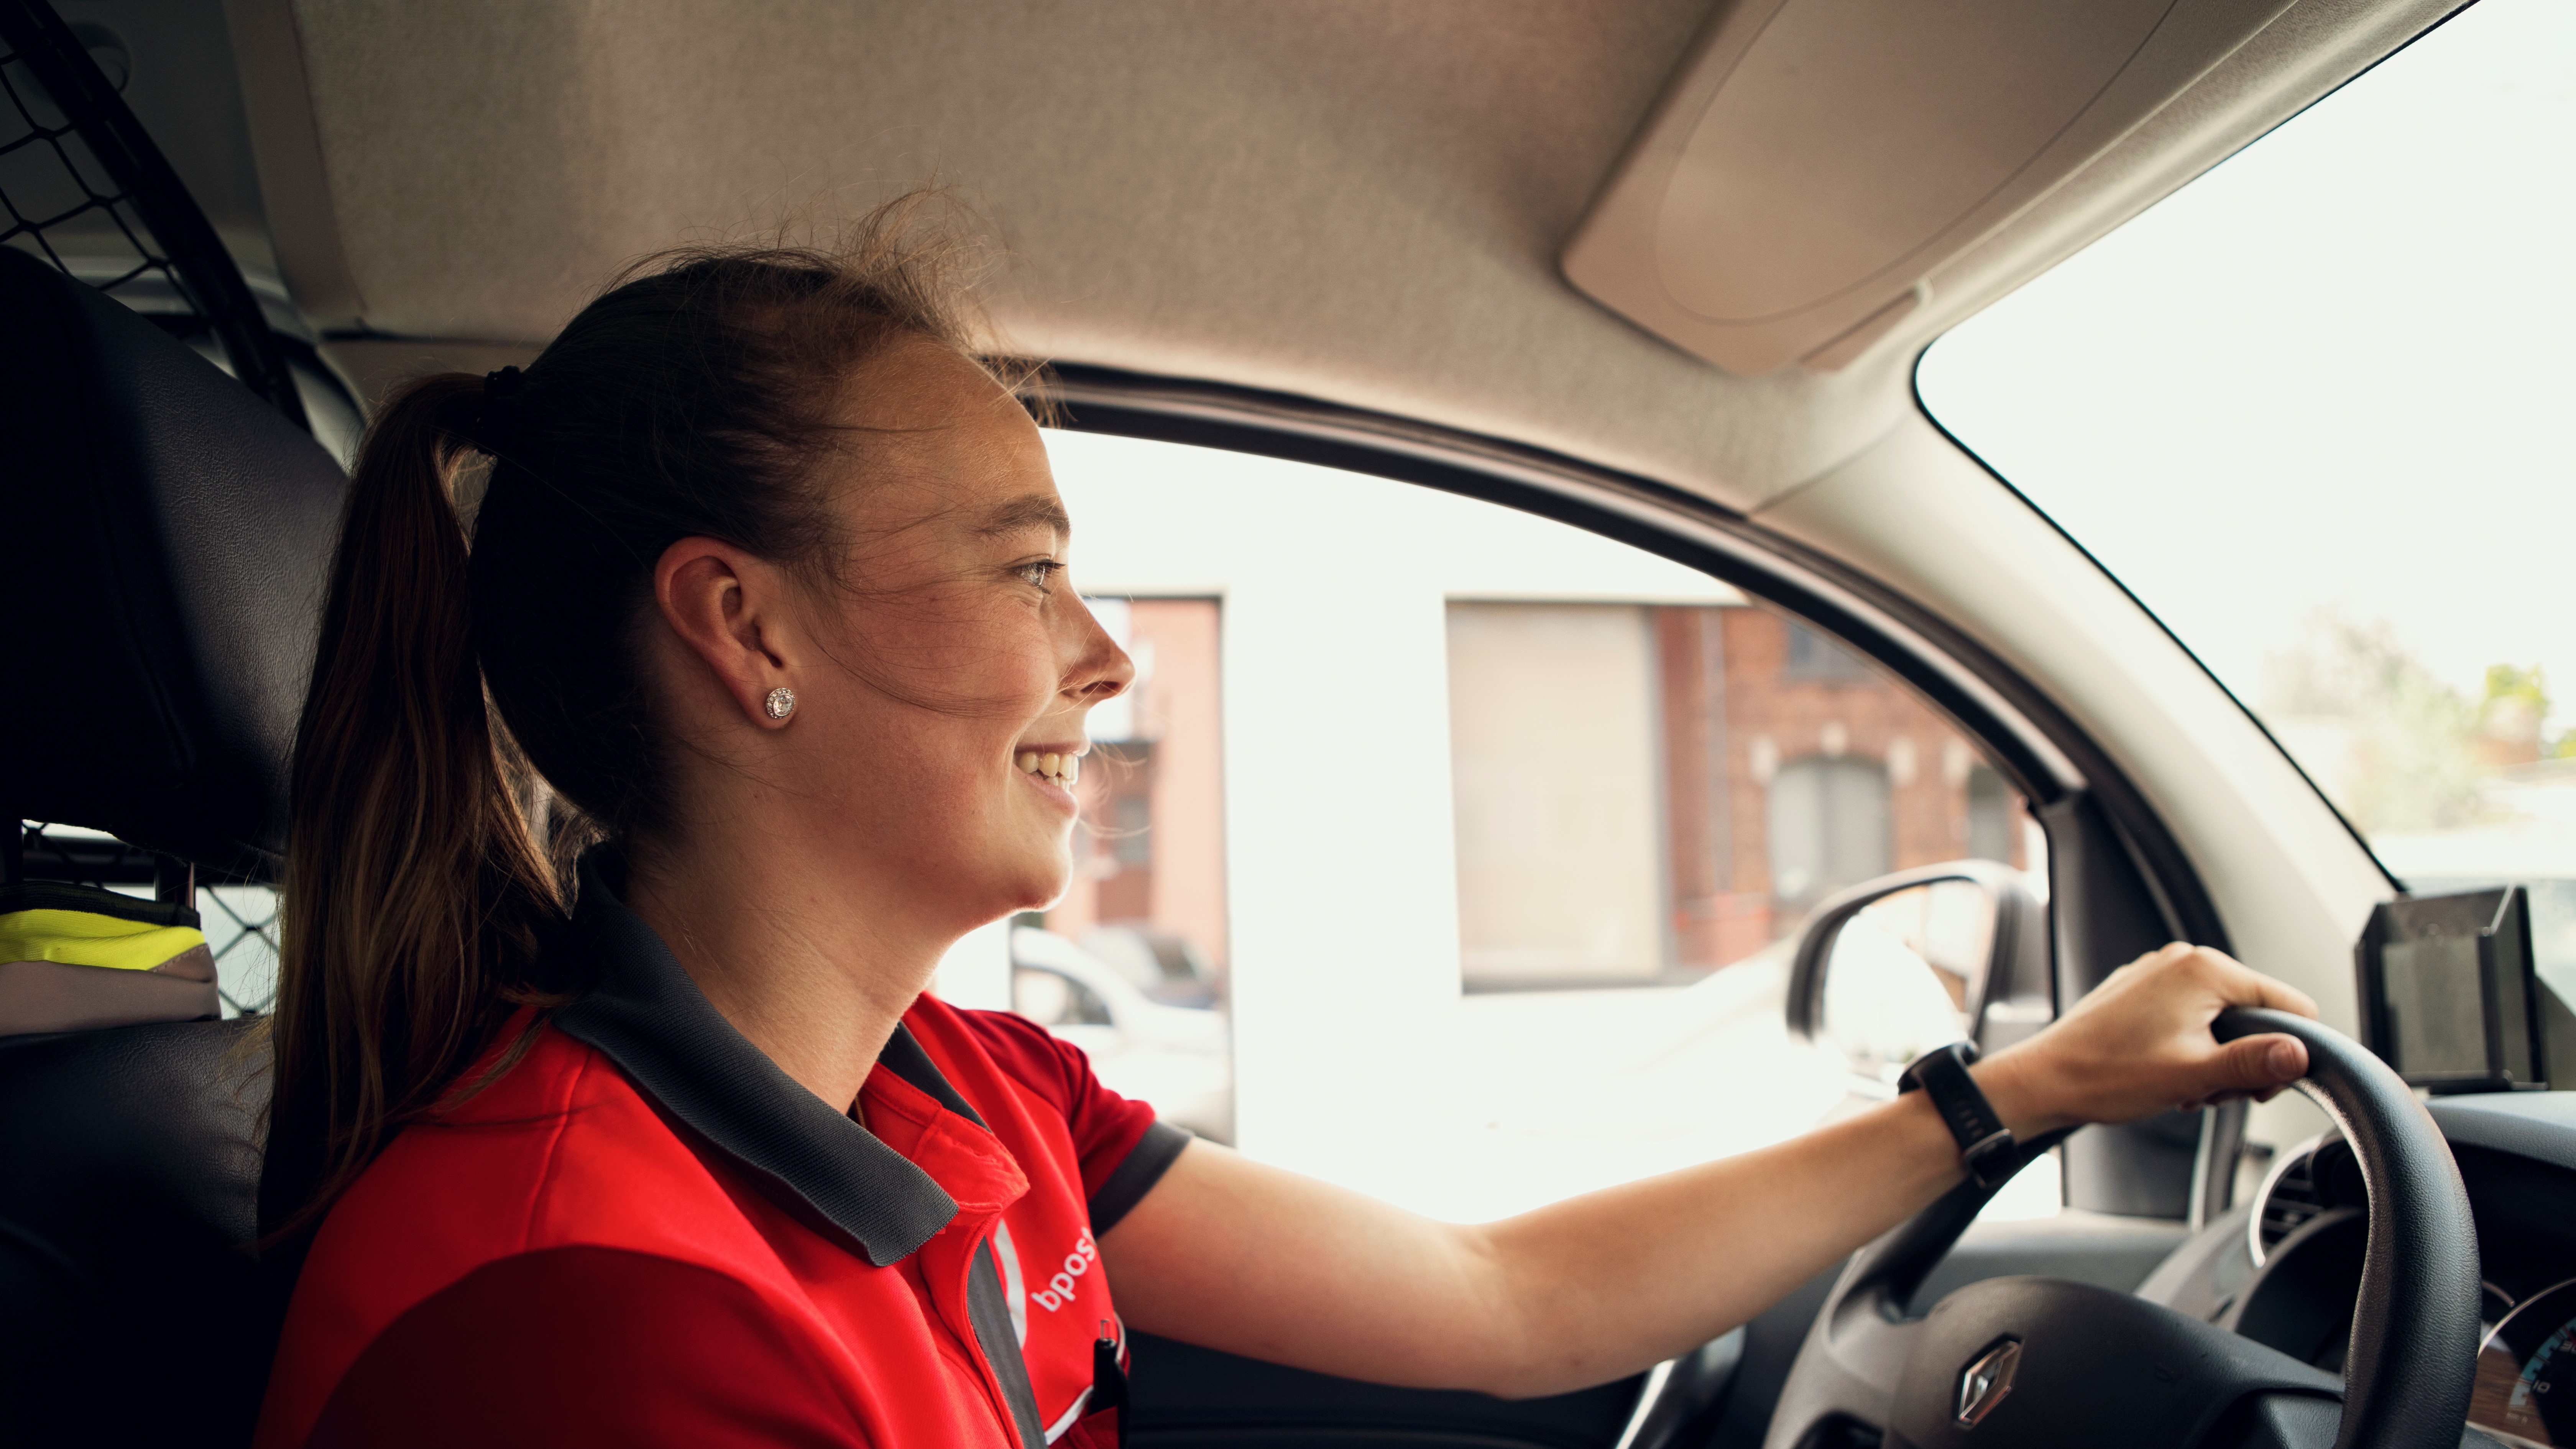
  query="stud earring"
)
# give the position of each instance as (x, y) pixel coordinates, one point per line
(781, 702)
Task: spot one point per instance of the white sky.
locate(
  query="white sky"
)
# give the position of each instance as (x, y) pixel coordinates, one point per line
(2333, 370)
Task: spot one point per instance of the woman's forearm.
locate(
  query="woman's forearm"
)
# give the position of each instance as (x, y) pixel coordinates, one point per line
(1607, 1283)
(1247, 1258)
(1632, 1275)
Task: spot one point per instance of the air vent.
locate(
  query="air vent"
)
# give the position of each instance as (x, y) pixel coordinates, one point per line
(2288, 1199)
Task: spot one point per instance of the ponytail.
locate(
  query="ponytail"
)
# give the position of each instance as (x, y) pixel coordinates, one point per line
(414, 894)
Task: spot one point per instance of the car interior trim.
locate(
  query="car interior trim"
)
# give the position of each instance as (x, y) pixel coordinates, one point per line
(2537, 1125)
(286, 150)
(1648, 1395)
(1528, 122)
(2282, 1162)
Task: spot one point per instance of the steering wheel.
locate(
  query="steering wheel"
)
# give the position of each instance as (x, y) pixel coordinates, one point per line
(2029, 1363)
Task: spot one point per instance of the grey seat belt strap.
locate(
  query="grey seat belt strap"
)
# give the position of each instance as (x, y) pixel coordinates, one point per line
(989, 1309)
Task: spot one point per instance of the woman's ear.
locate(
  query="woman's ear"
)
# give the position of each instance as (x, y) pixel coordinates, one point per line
(729, 608)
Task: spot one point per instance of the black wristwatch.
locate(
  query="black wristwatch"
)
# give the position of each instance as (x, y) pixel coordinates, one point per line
(1985, 1144)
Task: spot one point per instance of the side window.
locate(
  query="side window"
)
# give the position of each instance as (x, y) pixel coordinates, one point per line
(1463, 848)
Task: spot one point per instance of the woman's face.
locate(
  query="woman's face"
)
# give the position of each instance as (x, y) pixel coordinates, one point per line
(956, 660)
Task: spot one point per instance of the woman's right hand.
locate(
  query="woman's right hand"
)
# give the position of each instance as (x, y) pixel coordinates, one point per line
(2140, 1044)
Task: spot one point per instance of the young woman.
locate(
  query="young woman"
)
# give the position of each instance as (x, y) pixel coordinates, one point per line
(768, 587)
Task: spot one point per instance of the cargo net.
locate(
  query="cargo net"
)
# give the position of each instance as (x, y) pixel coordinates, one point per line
(239, 919)
(59, 203)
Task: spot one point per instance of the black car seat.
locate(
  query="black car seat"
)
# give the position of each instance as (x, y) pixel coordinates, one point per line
(167, 539)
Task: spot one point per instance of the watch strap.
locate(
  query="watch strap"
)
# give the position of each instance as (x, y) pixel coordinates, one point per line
(1985, 1144)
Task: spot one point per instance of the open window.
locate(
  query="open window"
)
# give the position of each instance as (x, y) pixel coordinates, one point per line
(1494, 831)
(1364, 1047)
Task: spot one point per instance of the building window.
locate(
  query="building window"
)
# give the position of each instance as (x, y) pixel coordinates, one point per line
(1131, 840)
(1991, 811)
(1829, 827)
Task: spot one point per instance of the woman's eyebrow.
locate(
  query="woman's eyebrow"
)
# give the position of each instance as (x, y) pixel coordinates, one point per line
(1038, 510)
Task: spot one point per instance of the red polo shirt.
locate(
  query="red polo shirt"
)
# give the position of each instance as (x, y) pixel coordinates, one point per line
(645, 1233)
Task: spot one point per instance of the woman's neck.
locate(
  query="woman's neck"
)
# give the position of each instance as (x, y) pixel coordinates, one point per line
(799, 960)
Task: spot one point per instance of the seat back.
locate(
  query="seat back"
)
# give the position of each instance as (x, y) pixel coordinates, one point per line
(131, 1311)
(169, 539)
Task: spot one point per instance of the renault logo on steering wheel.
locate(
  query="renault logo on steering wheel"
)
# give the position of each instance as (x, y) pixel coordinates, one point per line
(1985, 1381)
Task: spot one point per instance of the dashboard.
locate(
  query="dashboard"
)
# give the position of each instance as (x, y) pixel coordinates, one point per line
(2284, 1269)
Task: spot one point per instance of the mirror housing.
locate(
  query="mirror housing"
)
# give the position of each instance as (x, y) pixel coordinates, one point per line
(2007, 993)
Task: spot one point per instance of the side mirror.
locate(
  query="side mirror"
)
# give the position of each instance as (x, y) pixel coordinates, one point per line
(1896, 966)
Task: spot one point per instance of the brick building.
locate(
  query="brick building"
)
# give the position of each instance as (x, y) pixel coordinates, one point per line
(1804, 769)
(1642, 791)
(1649, 792)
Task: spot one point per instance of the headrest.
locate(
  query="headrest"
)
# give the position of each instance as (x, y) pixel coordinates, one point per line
(169, 536)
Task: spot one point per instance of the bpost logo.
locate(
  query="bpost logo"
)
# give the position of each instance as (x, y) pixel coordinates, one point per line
(1060, 1288)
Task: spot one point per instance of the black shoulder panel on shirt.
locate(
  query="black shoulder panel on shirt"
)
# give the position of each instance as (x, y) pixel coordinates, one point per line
(1136, 1174)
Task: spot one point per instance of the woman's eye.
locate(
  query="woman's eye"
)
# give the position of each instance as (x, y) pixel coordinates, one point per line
(1039, 572)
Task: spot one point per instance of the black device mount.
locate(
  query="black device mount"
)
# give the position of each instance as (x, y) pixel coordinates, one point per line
(2449, 995)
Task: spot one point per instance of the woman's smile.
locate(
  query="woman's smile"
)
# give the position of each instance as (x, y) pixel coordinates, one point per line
(1053, 770)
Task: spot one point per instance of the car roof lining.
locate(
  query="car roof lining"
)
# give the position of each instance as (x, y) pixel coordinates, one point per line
(1360, 203)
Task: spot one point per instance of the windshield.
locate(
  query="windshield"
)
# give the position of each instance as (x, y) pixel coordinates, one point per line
(2311, 410)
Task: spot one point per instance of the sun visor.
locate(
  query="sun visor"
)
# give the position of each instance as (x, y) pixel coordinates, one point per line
(1817, 160)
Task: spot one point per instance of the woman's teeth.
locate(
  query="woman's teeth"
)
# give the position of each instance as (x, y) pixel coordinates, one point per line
(1062, 769)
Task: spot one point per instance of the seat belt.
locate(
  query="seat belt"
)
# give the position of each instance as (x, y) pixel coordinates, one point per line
(989, 1309)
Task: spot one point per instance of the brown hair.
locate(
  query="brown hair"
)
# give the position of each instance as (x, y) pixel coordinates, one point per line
(699, 395)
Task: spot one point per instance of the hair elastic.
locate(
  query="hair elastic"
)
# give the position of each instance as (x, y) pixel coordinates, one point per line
(500, 391)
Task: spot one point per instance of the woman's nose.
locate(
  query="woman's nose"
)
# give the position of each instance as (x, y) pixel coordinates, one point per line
(1102, 670)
